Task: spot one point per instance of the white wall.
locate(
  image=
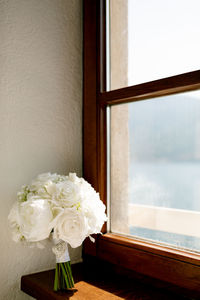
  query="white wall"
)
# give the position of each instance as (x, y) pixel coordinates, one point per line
(40, 114)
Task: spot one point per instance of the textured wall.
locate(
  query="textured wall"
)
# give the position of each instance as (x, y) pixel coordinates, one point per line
(40, 114)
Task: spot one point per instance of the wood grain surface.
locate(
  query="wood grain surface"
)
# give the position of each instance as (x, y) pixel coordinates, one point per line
(97, 280)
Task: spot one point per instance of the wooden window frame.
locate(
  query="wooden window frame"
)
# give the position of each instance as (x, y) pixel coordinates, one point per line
(175, 266)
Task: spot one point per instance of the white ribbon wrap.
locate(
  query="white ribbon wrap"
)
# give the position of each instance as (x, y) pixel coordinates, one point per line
(61, 252)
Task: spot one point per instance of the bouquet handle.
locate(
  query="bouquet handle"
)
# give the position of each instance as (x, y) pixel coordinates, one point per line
(63, 273)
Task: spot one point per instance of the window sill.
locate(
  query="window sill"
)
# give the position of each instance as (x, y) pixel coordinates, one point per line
(162, 263)
(98, 280)
(181, 255)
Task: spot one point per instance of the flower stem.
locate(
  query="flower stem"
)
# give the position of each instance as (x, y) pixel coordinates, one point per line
(63, 276)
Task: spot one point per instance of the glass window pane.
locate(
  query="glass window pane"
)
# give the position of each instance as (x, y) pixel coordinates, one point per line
(155, 169)
(153, 39)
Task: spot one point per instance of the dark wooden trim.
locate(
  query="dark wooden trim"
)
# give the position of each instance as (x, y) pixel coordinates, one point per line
(90, 140)
(102, 158)
(101, 109)
(153, 248)
(174, 266)
(89, 92)
(150, 263)
(109, 285)
(167, 86)
(94, 115)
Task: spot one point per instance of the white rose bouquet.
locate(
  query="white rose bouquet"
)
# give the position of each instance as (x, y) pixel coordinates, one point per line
(65, 207)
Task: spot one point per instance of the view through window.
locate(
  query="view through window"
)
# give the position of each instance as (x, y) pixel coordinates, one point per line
(155, 143)
(160, 39)
(162, 190)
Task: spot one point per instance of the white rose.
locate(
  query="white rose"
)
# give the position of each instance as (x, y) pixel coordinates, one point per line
(44, 185)
(92, 207)
(68, 194)
(45, 177)
(70, 226)
(34, 219)
(14, 220)
(94, 211)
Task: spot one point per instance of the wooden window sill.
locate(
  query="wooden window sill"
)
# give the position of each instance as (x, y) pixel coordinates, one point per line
(94, 283)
